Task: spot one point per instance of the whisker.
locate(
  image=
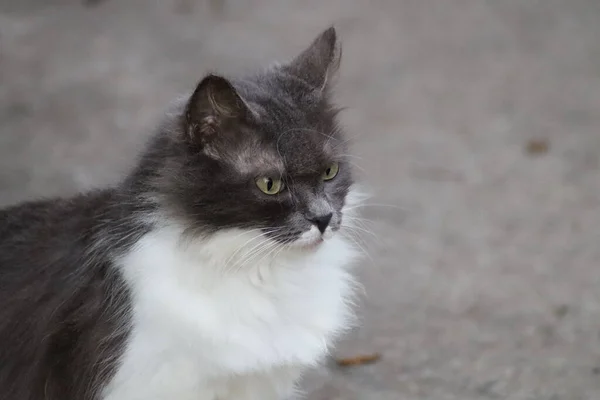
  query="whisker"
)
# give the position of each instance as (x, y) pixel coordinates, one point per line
(356, 242)
(267, 244)
(242, 247)
(374, 205)
(362, 222)
(351, 155)
(359, 219)
(268, 253)
(360, 229)
(355, 165)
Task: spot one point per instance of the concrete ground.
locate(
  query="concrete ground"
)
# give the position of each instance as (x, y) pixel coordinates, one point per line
(478, 127)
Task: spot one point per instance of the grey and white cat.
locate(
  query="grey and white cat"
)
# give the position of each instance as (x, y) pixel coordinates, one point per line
(217, 269)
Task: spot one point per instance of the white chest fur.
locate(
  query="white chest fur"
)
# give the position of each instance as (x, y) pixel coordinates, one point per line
(221, 319)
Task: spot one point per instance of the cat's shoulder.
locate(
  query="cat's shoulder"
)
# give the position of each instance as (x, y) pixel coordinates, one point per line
(51, 232)
(53, 212)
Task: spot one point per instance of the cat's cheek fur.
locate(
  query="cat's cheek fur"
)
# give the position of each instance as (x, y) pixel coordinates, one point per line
(210, 321)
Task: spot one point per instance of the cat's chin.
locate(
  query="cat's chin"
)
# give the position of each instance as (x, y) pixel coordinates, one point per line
(313, 245)
(312, 239)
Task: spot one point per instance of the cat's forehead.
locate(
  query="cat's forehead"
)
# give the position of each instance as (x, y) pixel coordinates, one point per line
(298, 153)
(307, 151)
(297, 128)
(282, 101)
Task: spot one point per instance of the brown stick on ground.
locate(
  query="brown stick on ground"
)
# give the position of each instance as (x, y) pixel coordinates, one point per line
(358, 360)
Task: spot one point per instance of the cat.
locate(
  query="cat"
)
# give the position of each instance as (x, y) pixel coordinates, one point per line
(217, 269)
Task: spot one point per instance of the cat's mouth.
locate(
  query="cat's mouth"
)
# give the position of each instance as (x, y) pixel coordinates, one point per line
(312, 245)
(312, 239)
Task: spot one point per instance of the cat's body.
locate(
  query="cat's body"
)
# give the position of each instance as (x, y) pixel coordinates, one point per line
(203, 275)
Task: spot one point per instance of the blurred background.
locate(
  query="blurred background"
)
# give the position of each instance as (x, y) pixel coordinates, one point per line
(477, 124)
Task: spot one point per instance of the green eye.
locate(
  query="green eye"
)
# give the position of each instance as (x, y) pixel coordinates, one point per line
(331, 172)
(269, 185)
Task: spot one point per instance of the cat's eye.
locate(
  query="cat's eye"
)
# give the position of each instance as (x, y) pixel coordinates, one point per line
(269, 185)
(331, 172)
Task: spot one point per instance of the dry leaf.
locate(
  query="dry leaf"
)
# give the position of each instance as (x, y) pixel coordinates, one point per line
(358, 360)
(537, 146)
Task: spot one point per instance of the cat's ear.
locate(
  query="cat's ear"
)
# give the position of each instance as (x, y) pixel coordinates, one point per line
(213, 105)
(320, 61)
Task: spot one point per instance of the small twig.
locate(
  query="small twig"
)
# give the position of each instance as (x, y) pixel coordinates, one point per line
(358, 360)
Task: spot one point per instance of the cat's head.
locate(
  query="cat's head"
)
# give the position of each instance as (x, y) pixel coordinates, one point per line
(264, 152)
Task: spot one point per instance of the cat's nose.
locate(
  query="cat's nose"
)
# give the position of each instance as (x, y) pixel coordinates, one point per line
(321, 221)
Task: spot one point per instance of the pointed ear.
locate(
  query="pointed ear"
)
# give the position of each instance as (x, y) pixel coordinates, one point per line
(320, 61)
(214, 103)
